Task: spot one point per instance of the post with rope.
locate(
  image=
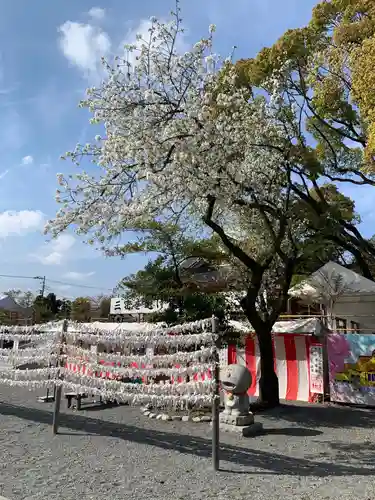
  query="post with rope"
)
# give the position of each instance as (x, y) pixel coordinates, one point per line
(58, 388)
(216, 397)
(49, 398)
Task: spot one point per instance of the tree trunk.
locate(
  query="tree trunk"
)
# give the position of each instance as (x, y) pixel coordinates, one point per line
(268, 383)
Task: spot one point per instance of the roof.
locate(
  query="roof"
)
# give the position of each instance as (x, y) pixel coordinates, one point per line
(191, 262)
(351, 283)
(9, 304)
(206, 276)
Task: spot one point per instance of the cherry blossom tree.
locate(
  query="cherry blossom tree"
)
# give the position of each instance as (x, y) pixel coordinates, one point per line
(184, 144)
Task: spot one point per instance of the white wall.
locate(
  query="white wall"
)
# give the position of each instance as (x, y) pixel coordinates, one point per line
(359, 308)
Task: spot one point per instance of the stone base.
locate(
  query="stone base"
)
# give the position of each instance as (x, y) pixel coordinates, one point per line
(244, 430)
(47, 399)
(238, 420)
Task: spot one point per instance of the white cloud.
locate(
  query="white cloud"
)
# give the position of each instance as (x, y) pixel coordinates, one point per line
(97, 13)
(84, 45)
(76, 276)
(27, 160)
(24, 221)
(4, 173)
(55, 252)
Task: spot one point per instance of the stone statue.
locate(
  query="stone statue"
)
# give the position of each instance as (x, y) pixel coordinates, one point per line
(235, 382)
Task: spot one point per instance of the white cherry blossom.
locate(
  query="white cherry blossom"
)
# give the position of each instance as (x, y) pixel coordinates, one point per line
(182, 141)
(178, 134)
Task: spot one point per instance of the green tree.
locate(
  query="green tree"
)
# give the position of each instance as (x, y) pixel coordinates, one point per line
(326, 247)
(101, 304)
(162, 280)
(65, 308)
(47, 308)
(324, 76)
(51, 308)
(216, 154)
(81, 309)
(104, 306)
(157, 283)
(4, 317)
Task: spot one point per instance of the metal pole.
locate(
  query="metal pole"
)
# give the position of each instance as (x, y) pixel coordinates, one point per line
(216, 400)
(56, 410)
(58, 389)
(47, 393)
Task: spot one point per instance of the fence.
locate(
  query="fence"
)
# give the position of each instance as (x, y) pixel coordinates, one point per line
(45, 356)
(33, 346)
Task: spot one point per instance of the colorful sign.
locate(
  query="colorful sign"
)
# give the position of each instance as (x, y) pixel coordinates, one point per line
(316, 369)
(352, 368)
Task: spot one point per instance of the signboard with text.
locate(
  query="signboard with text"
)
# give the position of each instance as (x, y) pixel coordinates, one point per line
(316, 369)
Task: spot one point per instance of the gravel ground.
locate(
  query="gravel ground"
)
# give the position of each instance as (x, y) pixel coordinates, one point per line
(308, 452)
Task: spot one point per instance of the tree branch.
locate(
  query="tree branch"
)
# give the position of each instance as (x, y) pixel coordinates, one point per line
(242, 256)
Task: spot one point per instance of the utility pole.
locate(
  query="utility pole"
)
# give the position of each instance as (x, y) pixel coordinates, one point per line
(47, 398)
(43, 284)
(42, 290)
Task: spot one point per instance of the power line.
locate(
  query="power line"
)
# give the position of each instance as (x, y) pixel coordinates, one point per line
(45, 281)
(21, 277)
(78, 285)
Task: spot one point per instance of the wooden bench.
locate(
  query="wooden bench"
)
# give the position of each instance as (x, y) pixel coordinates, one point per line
(73, 395)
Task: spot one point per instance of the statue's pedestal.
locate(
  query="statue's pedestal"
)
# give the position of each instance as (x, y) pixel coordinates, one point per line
(240, 424)
(245, 430)
(230, 419)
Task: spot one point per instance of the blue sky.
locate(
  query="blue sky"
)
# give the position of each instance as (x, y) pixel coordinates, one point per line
(49, 55)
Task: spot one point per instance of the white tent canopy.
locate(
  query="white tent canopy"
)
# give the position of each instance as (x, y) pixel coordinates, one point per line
(308, 326)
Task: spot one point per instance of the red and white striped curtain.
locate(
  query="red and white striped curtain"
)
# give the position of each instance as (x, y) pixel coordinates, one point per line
(292, 364)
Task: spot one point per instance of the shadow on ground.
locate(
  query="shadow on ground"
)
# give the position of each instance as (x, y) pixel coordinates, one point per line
(322, 416)
(268, 462)
(293, 431)
(97, 406)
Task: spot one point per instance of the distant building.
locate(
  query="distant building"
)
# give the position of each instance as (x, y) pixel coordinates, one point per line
(16, 314)
(201, 275)
(343, 299)
(338, 294)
